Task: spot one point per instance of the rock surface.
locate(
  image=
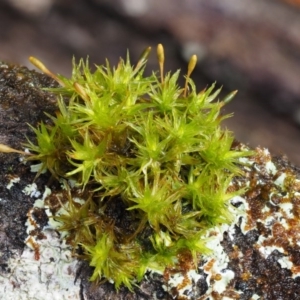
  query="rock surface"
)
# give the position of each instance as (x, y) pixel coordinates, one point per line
(258, 254)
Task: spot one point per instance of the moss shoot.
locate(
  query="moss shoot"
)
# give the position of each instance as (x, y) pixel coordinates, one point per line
(152, 162)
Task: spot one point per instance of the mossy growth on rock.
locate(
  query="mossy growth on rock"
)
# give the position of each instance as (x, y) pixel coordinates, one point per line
(152, 162)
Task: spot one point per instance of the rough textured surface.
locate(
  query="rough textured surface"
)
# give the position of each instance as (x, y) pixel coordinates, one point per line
(264, 252)
(21, 101)
(261, 247)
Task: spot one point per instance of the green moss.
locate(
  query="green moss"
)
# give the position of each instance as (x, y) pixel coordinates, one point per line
(147, 147)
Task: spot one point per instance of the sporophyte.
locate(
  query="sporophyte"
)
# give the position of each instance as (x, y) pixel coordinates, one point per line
(150, 158)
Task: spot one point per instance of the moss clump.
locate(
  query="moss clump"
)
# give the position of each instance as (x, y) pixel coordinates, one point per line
(150, 150)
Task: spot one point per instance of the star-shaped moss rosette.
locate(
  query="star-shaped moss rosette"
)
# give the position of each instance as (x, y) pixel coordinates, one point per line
(153, 151)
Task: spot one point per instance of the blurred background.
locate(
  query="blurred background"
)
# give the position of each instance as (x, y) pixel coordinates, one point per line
(252, 46)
